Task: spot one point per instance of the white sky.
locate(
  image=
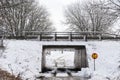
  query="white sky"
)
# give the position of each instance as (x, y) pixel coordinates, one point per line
(56, 10)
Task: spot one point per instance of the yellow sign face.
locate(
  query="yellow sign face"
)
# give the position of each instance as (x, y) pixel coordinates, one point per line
(94, 55)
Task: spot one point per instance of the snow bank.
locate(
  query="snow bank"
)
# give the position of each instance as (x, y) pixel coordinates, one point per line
(24, 57)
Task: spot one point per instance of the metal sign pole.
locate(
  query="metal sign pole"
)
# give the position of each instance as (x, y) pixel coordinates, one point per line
(94, 64)
(94, 56)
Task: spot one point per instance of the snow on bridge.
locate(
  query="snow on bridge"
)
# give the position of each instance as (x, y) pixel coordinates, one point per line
(24, 57)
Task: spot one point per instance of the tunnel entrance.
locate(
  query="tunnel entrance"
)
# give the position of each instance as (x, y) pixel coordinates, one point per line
(63, 58)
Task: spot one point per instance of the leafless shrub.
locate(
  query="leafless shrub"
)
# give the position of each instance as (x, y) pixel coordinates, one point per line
(4, 75)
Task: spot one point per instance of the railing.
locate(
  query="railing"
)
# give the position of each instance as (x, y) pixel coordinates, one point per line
(66, 36)
(70, 36)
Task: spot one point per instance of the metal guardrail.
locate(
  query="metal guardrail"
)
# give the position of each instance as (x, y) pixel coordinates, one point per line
(68, 36)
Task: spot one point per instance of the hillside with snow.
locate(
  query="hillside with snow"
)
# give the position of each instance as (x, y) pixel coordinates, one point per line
(24, 57)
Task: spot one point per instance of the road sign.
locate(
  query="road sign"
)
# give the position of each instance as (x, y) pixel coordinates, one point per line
(94, 55)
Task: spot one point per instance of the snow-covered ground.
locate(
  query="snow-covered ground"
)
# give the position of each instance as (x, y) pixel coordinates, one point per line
(60, 58)
(24, 57)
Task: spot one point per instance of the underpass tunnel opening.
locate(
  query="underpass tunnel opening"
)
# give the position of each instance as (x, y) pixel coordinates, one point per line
(63, 57)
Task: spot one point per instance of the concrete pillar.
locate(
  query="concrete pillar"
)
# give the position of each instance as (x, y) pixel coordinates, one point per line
(77, 58)
(43, 62)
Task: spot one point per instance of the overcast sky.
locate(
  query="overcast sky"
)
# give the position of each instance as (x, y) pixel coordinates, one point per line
(56, 10)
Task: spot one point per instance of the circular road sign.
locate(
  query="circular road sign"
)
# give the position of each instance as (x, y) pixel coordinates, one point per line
(94, 55)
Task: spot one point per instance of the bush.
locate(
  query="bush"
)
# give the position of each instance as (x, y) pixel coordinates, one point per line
(4, 75)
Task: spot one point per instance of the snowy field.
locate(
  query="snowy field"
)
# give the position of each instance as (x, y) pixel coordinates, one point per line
(24, 57)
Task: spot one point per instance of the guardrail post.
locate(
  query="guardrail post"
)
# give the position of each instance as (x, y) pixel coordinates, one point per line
(70, 37)
(100, 37)
(85, 37)
(1, 42)
(55, 37)
(40, 37)
(24, 33)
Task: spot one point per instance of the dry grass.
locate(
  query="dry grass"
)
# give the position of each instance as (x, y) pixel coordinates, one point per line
(4, 75)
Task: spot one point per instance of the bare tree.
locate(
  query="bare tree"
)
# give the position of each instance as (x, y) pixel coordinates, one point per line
(25, 16)
(75, 18)
(4, 4)
(114, 4)
(38, 20)
(89, 17)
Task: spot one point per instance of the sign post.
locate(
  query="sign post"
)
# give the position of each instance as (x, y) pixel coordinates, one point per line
(94, 56)
(94, 65)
